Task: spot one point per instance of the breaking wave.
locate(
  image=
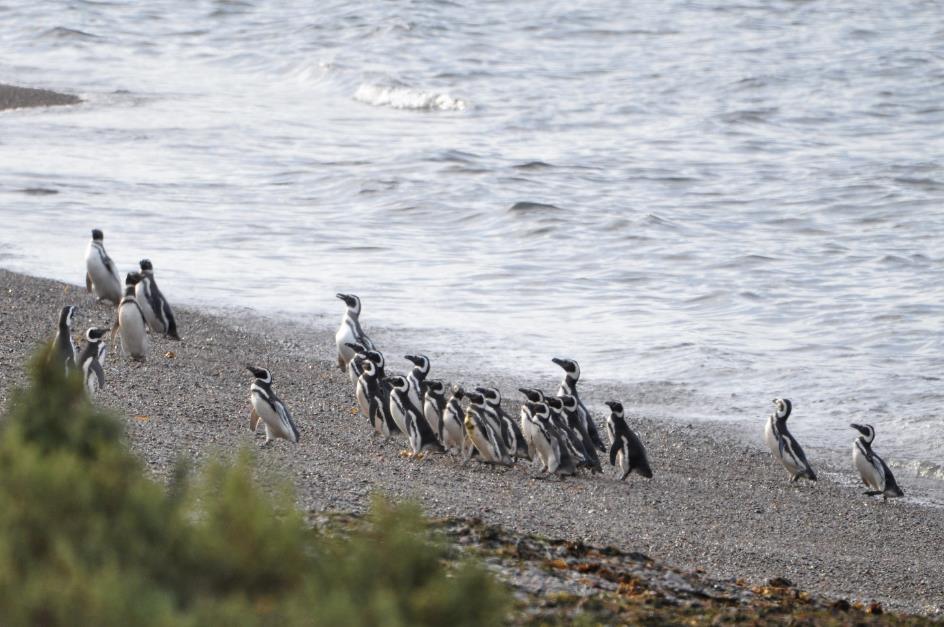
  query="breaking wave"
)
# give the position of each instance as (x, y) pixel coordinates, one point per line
(399, 97)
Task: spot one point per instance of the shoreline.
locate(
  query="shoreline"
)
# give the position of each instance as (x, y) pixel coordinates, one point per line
(15, 97)
(716, 503)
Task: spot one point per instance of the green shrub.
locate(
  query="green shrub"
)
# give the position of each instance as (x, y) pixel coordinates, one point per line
(86, 537)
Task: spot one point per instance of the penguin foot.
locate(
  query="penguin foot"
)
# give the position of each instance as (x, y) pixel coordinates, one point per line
(406, 453)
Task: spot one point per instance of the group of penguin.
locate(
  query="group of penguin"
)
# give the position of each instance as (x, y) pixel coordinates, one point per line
(557, 431)
(141, 306)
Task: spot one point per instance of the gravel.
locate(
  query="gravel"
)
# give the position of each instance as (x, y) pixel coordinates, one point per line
(716, 503)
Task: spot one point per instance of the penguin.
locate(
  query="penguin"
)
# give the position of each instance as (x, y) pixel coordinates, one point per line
(484, 437)
(90, 360)
(101, 273)
(434, 404)
(511, 432)
(350, 330)
(569, 438)
(268, 408)
(354, 365)
(872, 468)
(453, 420)
(374, 398)
(131, 325)
(410, 419)
(569, 386)
(626, 447)
(783, 446)
(549, 448)
(157, 311)
(570, 409)
(65, 351)
(416, 376)
(526, 419)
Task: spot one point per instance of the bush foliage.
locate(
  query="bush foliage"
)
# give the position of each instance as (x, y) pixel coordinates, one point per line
(86, 537)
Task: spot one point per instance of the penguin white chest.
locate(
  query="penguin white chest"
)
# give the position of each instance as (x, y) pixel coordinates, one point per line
(106, 284)
(142, 293)
(275, 426)
(131, 330)
(872, 474)
(344, 336)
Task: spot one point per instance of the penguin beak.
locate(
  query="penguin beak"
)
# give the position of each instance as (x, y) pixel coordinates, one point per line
(354, 346)
(560, 362)
(413, 358)
(858, 428)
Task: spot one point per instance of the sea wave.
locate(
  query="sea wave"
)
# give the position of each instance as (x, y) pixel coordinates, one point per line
(402, 97)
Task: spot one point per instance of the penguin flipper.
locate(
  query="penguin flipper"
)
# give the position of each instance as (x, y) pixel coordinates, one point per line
(613, 451)
(253, 420)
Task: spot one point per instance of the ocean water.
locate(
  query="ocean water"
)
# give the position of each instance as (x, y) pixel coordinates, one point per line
(710, 204)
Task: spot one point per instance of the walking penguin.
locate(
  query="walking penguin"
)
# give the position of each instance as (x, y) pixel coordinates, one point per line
(783, 446)
(269, 408)
(875, 474)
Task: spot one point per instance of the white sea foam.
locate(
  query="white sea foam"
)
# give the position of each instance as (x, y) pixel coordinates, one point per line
(401, 97)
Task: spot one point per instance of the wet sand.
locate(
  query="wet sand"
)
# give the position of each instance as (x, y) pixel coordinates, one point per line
(13, 97)
(716, 503)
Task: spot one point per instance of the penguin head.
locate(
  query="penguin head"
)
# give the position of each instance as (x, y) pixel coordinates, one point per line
(782, 408)
(616, 407)
(67, 316)
(433, 387)
(458, 392)
(356, 347)
(538, 411)
(475, 398)
(532, 394)
(554, 403)
(376, 357)
(568, 402)
(146, 265)
(367, 366)
(95, 334)
(97, 235)
(569, 365)
(260, 373)
(353, 302)
(420, 361)
(492, 396)
(867, 431)
(133, 278)
(397, 383)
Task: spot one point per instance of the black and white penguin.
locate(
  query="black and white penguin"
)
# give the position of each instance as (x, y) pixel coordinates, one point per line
(157, 311)
(91, 359)
(510, 430)
(453, 421)
(266, 406)
(65, 351)
(570, 409)
(416, 376)
(569, 438)
(354, 365)
(434, 404)
(549, 445)
(350, 330)
(875, 474)
(783, 446)
(410, 419)
(569, 386)
(485, 438)
(525, 418)
(626, 449)
(101, 273)
(131, 324)
(373, 396)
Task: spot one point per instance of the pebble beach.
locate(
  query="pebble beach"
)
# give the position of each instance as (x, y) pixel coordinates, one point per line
(717, 503)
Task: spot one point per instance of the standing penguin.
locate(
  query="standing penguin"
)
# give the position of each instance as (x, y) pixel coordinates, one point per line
(453, 420)
(131, 325)
(569, 386)
(410, 419)
(569, 438)
(90, 360)
(570, 409)
(510, 430)
(875, 474)
(350, 330)
(548, 444)
(266, 406)
(416, 376)
(157, 311)
(374, 393)
(484, 436)
(101, 273)
(434, 404)
(783, 446)
(626, 447)
(65, 351)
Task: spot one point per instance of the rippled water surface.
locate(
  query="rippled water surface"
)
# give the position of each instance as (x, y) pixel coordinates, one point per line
(711, 203)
